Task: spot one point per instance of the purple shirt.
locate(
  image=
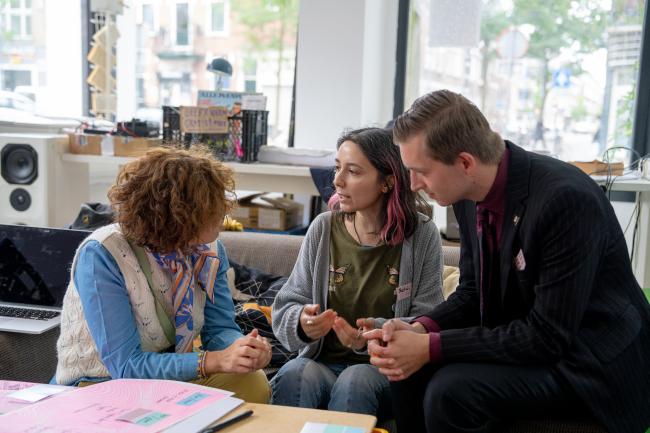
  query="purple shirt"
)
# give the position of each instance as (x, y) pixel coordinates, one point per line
(494, 203)
(495, 200)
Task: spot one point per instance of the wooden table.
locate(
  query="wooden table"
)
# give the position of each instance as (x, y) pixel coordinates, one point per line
(282, 419)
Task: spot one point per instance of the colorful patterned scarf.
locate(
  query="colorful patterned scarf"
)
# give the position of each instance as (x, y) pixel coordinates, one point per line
(201, 266)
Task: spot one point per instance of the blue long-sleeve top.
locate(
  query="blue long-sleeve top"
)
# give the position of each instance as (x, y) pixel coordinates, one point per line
(107, 310)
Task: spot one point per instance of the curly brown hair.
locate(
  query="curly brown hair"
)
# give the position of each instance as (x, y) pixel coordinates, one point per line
(167, 197)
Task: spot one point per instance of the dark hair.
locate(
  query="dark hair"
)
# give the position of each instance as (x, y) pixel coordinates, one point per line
(165, 198)
(451, 124)
(401, 204)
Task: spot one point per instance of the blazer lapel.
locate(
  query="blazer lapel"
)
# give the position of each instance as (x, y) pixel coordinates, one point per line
(466, 215)
(516, 193)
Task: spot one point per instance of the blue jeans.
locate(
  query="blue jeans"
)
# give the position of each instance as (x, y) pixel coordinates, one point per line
(358, 388)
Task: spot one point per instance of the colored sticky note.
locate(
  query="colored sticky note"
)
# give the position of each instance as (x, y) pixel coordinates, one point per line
(313, 427)
(190, 400)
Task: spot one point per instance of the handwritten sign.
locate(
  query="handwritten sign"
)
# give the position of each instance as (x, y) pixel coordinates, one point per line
(204, 120)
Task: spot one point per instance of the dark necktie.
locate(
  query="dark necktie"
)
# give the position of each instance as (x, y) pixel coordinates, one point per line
(487, 245)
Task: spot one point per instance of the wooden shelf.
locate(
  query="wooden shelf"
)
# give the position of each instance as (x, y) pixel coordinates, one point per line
(290, 179)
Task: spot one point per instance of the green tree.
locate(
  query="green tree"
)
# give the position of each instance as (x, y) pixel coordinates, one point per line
(494, 20)
(270, 25)
(557, 25)
(576, 25)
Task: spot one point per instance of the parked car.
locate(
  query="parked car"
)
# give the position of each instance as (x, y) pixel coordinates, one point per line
(16, 101)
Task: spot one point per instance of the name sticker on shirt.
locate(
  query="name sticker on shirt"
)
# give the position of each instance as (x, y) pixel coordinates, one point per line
(403, 292)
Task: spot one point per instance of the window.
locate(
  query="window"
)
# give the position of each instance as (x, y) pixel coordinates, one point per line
(18, 19)
(14, 78)
(182, 24)
(218, 17)
(170, 64)
(147, 17)
(250, 86)
(32, 33)
(554, 76)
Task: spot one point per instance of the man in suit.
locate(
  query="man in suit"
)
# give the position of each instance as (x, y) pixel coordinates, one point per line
(548, 320)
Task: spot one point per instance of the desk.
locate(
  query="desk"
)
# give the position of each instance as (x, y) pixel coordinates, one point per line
(641, 253)
(283, 419)
(290, 179)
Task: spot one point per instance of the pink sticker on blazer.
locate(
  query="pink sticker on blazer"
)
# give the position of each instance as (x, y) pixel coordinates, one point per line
(520, 261)
(403, 292)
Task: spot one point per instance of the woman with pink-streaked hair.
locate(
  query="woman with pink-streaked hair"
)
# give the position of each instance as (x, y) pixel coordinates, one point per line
(374, 256)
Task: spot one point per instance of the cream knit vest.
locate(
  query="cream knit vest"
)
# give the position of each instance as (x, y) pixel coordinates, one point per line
(77, 353)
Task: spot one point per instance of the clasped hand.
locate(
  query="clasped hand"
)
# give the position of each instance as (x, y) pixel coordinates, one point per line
(398, 349)
(246, 354)
(316, 325)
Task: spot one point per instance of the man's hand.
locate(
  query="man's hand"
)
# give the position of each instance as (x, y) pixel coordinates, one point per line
(398, 349)
(349, 336)
(244, 355)
(316, 325)
(385, 334)
(405, 354)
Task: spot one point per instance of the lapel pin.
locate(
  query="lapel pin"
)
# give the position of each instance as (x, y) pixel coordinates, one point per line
(515, 220)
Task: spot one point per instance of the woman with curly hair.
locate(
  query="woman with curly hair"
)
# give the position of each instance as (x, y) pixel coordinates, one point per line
(144, 288)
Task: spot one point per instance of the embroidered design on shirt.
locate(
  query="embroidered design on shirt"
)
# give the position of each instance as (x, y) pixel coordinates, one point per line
(393, 275)
(337, 275)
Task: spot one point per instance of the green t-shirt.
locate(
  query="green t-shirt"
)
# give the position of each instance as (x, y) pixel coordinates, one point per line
(362, 283)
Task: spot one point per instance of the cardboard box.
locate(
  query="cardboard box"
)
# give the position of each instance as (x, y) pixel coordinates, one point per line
(258, 211)
(110, 145)
(599, 168)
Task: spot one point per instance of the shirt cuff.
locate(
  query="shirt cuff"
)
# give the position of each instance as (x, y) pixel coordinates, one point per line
(429, 324)
(189, 366)
(435, 350)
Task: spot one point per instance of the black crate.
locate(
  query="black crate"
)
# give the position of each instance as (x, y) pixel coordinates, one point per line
(247, 131)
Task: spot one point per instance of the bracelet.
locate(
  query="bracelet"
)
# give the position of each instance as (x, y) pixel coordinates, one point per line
(200, 369)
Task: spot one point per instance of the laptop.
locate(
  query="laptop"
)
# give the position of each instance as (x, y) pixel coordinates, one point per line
(34, 274)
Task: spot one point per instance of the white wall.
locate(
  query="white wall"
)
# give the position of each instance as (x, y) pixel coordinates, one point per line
(379, 62)
(346, 68)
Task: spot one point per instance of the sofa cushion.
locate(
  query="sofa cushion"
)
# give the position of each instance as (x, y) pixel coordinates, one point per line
(275, 254)
(253, 292)
(450, 277)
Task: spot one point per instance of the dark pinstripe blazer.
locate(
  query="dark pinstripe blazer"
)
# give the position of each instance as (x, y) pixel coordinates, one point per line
(576, 306)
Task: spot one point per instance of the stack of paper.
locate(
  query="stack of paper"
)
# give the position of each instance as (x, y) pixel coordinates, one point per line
(16, 395)
(296, 156)
(125, 405)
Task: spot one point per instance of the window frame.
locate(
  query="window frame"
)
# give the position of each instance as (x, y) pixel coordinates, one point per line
(32, 69)
(155, 27)
(174, 22)
(22, 12)
(641, 124)
(226, 19)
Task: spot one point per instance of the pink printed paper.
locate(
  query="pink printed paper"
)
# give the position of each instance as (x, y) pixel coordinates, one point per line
(125, 405)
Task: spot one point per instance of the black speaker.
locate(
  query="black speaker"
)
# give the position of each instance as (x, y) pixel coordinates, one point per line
(19, 164)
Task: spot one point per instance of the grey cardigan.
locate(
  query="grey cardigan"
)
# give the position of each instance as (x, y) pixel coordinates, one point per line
(420, 273)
